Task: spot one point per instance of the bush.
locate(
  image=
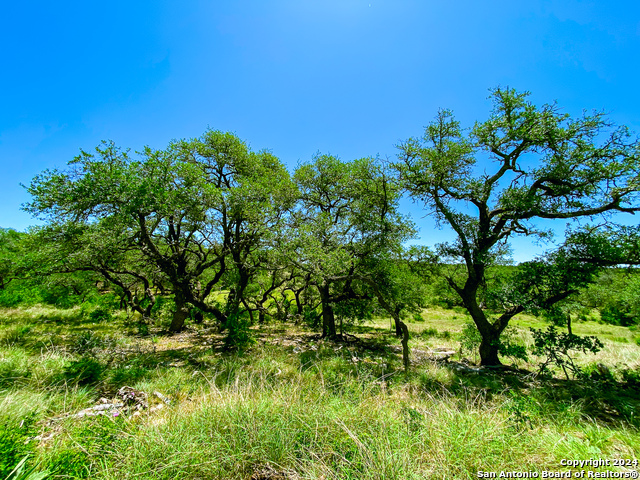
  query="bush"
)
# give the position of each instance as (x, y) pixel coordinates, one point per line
(85, 371)
(429, 332)
(470, 340)
(310, 317)
(557, 348)
(238, 333)
(100, 314)
(509, 347)
(17, 293)
(615, 316)
(598, 372)
(632, 377)
(87, 341)
(163, 310)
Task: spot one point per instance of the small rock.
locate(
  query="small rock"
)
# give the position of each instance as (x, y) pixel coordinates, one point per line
(162, 397)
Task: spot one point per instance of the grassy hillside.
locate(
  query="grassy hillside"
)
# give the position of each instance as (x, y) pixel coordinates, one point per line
(295, 407)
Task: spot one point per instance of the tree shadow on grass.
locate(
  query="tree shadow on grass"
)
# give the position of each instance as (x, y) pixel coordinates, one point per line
(603, 399)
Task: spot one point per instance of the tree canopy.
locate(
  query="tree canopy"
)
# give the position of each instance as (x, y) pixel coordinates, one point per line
(347, 216)
(493, 181)
(227, 232)
(198, 212)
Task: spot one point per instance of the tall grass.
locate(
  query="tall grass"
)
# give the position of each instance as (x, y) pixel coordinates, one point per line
(302, 409)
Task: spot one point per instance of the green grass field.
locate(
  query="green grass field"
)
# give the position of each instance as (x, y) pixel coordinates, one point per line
(295, 407)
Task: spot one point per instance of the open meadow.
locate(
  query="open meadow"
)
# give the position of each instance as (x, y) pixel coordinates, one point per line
(85, 397)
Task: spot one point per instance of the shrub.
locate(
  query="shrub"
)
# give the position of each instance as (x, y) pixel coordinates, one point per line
(85, 342)
(557, 347)
(632, 377)
(163, 310)
(429, 332)
(509, 347)
(238, 333)
(615, 316)
(470, 340)
(310, 317)
(84, 371)
(598, 372)
(100, 314)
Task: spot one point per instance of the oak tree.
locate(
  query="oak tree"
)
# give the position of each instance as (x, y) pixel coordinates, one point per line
(198, 212)
(501, 177)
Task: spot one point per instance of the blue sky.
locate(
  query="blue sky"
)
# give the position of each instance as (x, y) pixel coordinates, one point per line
(348, 77)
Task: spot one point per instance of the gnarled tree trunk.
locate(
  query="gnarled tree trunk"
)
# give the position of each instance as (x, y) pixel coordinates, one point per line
(180, 314)
(328, 318)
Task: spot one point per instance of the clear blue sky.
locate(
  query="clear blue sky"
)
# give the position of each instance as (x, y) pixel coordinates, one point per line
(347, 77)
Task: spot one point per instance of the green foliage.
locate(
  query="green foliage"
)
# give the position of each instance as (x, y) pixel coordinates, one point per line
(92, 437)
(14, 441)
(632, 377)
(311, 317)
(523, 410)
(15, 335)
(72, 462)
(558, 348)
(429, 332)
(513, 351)
(88, 343)
(11, 256)
(439, 293)
(470, 339)
(546, 165)
(346, 226)
(14, 369)
(190, 217)
(598, 372)
(509, 345)
(163, 310)
(238, 332)
(351, 312)
(21, 472)
(84, 371)
(125, 375)
(51, 290)
(615, 316)
(616, 291)
(100, 314)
